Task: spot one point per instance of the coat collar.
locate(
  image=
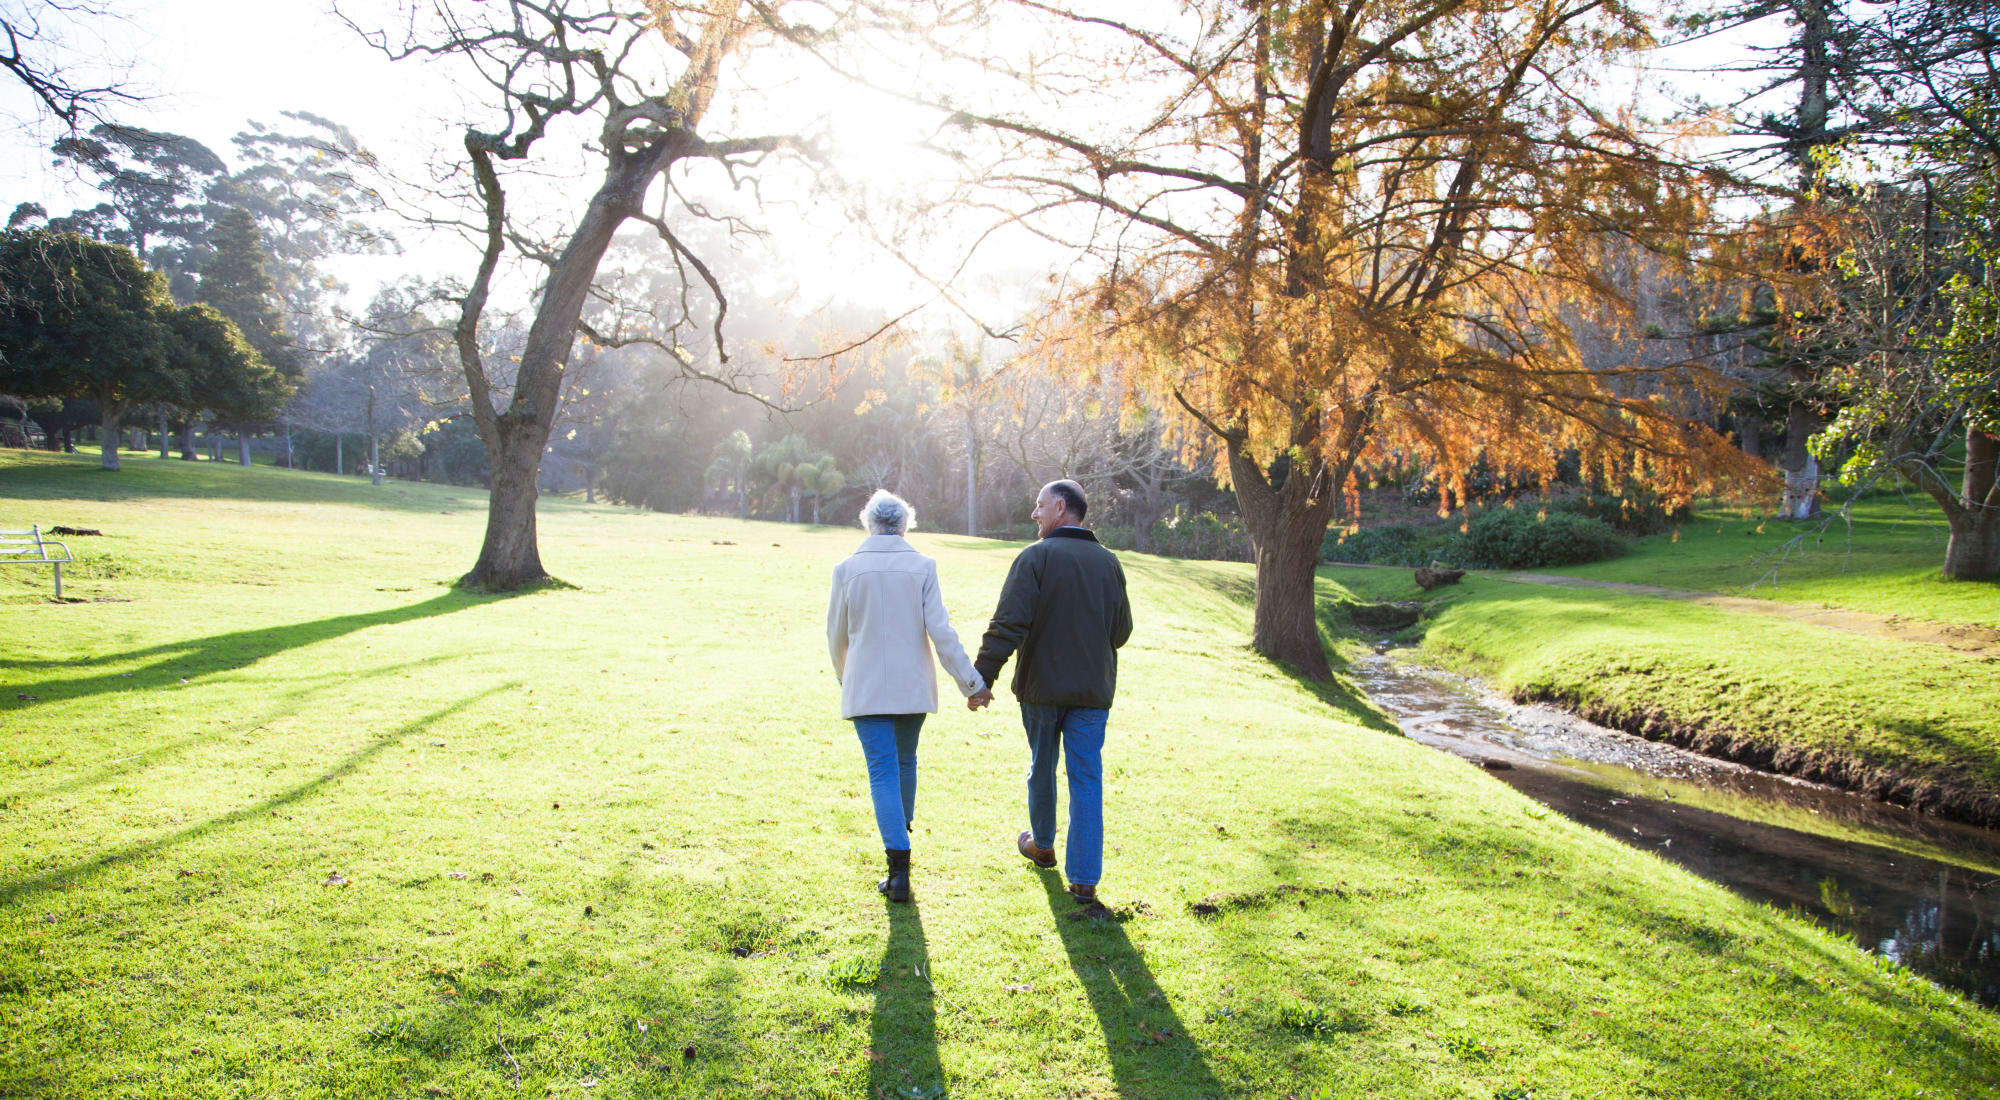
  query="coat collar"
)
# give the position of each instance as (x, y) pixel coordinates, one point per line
(1071, 533)
(884, 544)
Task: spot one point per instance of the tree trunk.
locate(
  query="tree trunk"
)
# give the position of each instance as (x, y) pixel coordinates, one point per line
(166, 437)
(510, 557)
(288, 446)
(971, 474)
(243, 448)
(339, 455)
(1973, 554)
(107, 437)
(1801, 500)
(1750, 435)
(516, 437)
(374, 460)
(187, 441)
(1287, 526)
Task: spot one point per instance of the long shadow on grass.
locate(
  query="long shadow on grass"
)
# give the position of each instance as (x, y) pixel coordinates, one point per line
(1693, 955)
(186, 659)
(903, 1027)
(134, 762)
(62, 876)
(146, 479)
(1151, 1051)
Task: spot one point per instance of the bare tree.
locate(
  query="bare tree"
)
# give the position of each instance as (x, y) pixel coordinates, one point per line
(647, 76)
(33, 42)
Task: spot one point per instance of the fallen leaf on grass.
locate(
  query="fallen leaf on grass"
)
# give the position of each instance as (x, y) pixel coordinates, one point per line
(457, 874)
(1020, 989)
(334, 879)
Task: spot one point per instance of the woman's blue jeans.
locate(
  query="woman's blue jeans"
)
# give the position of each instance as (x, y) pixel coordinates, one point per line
(889, 744)
(1076, 735)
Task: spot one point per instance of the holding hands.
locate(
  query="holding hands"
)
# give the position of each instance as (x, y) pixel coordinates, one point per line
(983, 698)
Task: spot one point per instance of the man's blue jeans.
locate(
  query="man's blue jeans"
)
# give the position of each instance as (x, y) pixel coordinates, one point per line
(889, 744)
(1078, 733)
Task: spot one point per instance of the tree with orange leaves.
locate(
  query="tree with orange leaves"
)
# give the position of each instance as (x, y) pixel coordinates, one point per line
(1358, 233)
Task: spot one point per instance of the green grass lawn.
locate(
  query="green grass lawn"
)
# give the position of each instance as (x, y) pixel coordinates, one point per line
(283, 814)
(1886, 560)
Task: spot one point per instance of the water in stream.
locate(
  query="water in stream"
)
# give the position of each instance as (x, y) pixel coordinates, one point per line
(1923, 892)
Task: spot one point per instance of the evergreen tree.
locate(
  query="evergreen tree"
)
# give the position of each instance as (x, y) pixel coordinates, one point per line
(236, 280)
(159, 195)
(81, 318)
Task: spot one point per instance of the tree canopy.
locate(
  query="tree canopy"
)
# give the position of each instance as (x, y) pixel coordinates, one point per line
(1362, 233)
(82, 318)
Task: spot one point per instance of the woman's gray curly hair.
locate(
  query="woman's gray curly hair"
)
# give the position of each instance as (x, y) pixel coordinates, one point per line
(887, 514)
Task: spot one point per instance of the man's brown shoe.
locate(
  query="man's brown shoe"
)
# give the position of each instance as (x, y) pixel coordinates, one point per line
(1036, 854)
(1085, 894)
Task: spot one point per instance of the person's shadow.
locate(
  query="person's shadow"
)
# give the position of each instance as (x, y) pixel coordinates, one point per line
(1151, 1052)
(902, 1034)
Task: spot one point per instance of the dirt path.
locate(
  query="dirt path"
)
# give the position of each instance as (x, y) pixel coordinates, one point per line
(1981, 640)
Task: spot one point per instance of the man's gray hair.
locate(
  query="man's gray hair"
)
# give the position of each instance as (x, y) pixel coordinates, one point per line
(887, 514)
(1071, 494)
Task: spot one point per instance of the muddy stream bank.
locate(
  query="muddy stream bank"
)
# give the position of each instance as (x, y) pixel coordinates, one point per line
(1918, 890)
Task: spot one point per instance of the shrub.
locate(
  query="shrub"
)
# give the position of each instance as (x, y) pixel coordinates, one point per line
(1637, 512)
(1410, 544)
(1515, 539)
(1116, 538)
(1203, 535)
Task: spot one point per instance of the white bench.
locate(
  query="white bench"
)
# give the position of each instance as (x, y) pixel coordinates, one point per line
(30, 548)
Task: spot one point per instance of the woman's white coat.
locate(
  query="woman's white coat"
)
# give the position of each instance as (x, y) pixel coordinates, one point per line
(885, 603)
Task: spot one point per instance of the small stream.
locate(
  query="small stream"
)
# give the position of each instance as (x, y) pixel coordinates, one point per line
(1902, 884)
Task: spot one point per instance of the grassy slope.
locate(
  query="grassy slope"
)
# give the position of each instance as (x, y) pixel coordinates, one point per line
(1893, 718)
(660, 822)
(1912, 722)
(1885, 561)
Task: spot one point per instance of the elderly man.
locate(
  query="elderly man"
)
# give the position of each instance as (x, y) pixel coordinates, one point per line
(1063, 610)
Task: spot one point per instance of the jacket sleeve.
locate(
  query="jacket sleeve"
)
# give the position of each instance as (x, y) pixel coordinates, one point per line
(937, 623)
(836, 626)
(1011, 618)
(1121, 610)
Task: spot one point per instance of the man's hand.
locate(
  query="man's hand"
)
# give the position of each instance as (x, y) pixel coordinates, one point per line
(983, 698)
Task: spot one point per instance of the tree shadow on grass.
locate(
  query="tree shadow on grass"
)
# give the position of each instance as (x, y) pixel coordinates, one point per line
(62, 876)
(902, 1030)
(171, 662)
(80, 480)
(1517, 878)
(1151, 1052)
(289, 703)
(1234, 582)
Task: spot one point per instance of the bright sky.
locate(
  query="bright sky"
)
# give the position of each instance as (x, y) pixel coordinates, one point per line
(210, 66)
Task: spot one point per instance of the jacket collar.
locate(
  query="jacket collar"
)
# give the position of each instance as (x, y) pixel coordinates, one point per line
(884, 544)
(1071, 533)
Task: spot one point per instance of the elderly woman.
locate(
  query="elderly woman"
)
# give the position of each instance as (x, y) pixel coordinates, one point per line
(885, 601)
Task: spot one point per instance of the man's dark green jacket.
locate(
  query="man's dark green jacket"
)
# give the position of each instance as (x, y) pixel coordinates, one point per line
(1064, 609)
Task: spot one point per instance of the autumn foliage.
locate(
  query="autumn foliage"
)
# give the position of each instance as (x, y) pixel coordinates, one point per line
(1367, 234)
